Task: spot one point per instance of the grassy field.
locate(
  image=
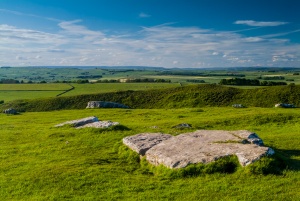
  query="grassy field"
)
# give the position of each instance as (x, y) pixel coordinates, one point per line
(41, 162)
(34, 87)
(115, 87)
(9, 92)
(16, 95)
(73, 73)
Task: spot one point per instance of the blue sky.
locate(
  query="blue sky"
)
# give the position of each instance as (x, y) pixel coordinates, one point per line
(166, 33)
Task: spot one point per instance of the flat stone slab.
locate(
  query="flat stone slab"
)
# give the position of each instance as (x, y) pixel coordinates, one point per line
(91, 122)
(202, 146)
(144, 141)
(79, 122)
(99, 124)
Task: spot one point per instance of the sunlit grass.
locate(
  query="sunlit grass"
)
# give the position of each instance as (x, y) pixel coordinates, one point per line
(41, 162)
(115, 87)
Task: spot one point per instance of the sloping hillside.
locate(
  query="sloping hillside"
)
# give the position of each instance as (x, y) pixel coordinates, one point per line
(180, 97)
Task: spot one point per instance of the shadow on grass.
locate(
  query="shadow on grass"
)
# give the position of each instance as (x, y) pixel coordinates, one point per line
(287, 156)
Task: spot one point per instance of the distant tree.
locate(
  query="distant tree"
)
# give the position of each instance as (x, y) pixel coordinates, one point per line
(249, 82)
(9, 81)
(82, 81)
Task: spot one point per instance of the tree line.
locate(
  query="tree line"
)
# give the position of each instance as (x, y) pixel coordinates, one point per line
(249, 82)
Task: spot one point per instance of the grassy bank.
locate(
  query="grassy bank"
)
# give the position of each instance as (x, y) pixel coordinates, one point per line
(10, 92)
(180, 97)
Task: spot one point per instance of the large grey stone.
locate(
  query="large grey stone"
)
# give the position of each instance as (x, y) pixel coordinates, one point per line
(202, 146)
(104, 104)
(144, 141)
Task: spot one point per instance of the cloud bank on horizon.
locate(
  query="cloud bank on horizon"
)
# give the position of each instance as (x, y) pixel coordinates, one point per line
(76, 42)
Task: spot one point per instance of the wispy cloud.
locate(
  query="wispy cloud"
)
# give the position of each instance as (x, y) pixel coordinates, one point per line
(144, 15)
(29, 15)
(260, 23)
(162, 45)
(281, 34)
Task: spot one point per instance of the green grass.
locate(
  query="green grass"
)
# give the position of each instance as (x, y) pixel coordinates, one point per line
(37, 74)
(13, 95)
(115, 87)
(202, 95)
(10, 92)
(38, 164)
(34, 87)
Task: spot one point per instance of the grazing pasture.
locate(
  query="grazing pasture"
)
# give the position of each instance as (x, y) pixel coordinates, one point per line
(116, 87)
(41, 162)
(9, 92)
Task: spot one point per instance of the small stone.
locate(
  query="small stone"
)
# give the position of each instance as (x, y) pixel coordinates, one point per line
(10, 111)
(238, 106)
(104, 104)
(183, 125)
(154, 127)
(79, 122)
(99, 124)
(285, 105)
(89, 122)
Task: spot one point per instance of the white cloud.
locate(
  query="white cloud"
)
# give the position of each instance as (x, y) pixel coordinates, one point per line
(18, 57)
(163, 45)
(280, 34)
(144, 15)
(253, 39)
(260, 23)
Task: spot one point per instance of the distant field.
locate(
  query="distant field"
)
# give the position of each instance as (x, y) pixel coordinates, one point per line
(9, 92)
(114, 87)
(34, 87)
(16, 95)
